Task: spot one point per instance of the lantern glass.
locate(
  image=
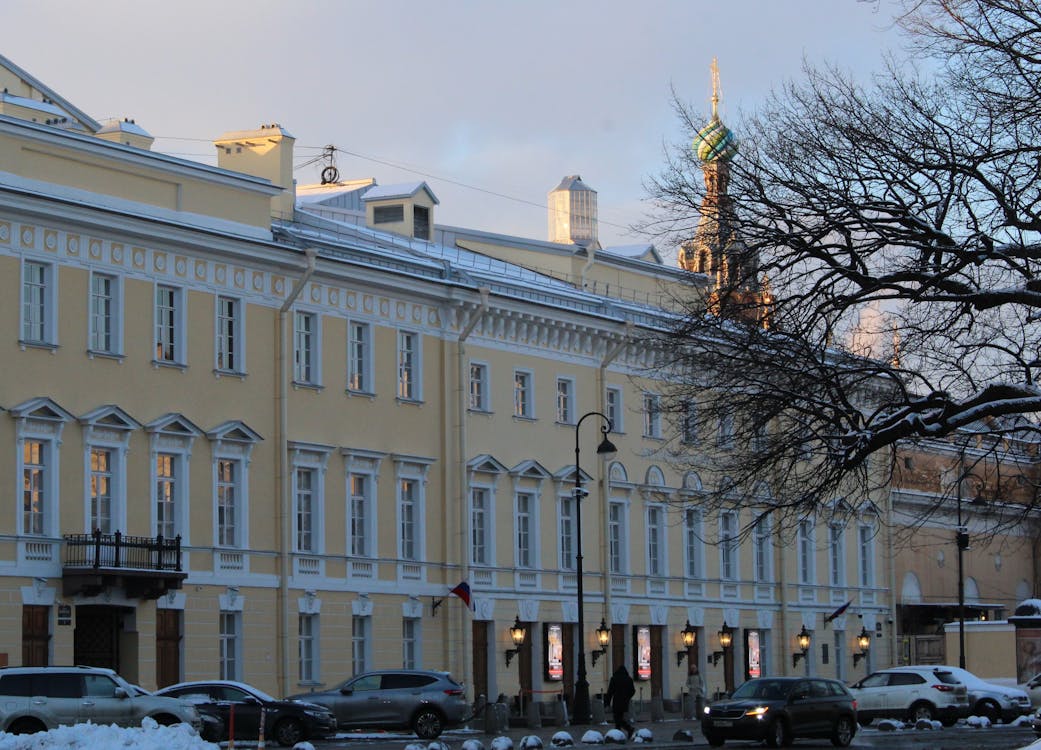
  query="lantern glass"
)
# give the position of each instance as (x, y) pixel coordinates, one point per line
(517, 632)
(725, 638)
(603, 634)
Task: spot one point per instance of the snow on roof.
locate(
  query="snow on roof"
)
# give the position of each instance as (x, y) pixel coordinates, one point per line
(264, 131)
(115, 125)
(401, 190)
(643, 251)
(316, 193)
(23, 101)
(1028, 608)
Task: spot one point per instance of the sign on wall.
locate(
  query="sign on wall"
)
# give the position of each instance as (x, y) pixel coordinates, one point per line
(755, 655)
(554, 652)
(643, 652)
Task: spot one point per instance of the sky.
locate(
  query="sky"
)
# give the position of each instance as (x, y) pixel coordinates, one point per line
(491, 102)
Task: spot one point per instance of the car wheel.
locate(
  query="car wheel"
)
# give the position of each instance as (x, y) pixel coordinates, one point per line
(777, 734)
(844, 731)
(864, 721)
(990, 709)
(428, 724)
(922, 710)
(714, 740)
(288, 732)
(166, 720)
(26, 726)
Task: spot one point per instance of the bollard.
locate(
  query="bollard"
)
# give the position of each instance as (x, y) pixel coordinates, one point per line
(260, 740)
(231, 727)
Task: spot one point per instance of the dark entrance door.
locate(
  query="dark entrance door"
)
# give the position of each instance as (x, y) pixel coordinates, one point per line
(96, 639)
(569, 659)
(656, 661)
(36, 635)
(167, 647)
(480, 657)
(524, 669)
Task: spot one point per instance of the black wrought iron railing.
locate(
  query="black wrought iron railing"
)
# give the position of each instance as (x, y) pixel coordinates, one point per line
(118, 550)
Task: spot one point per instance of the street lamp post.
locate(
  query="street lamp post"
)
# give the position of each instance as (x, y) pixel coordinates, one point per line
(606, 449)
(962, 540)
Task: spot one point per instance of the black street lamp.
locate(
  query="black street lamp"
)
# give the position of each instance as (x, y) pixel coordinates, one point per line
(606, 449)
(961, 538)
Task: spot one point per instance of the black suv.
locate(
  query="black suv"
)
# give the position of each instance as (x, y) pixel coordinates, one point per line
(779, 709)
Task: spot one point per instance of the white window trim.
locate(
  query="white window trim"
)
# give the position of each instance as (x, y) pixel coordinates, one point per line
(180, 358)
(367, 464)
(314, 458)
(489, 523)
(416, 470)
(662, 539)
(484, 383)
(417, 366)
(808, 574)
(698, 531)
(624, 563)
(732, 542)
(117, 349)
(762, 531)
(316, 650)
(315, 381)
(50, 304)
(617, 418)
(534, 537)
(562, 563)
(872, 581)
(837, 577)
(652, 416)
(240, 452)
(239, 333)
(368, 350)
(572, 401)
(178, 445)
(118, 449)
(529, 392)
(236, 619)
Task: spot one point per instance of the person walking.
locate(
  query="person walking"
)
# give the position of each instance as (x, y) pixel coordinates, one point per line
(696, 688)
(620, 692)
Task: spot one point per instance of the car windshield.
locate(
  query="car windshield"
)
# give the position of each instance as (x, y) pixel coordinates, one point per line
(763, 689)
(262, 695)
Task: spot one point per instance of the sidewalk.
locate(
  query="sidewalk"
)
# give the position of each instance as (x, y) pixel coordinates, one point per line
(664, 733)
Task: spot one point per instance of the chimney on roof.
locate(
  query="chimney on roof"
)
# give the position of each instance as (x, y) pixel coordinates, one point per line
(265, 152)
(572, 213)
(127, 132)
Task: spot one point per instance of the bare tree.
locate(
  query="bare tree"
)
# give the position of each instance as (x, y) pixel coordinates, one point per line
(890, 229)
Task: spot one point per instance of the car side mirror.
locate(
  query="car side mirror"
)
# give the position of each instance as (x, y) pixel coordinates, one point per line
(120, 693)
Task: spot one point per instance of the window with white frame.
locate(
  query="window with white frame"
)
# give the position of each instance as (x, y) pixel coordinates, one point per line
(689, 426)
(613, 406)
(725, 436)
(409, 366)
(105, 314)
(807, 553)
(728, 545)
(167, 492)
(567, 532)
(479, 387)
(229, 501)
(694, 544)
(523, 403)
(101, 490)
(525, 527)
(408, 514)
(305, 348)
(360, 626)
(230, 337)
(362, 508)
(656, 552)
(651, 416)
(565, 401)
(760, 437)
(480, 526)
(304, 500)
(230, 656)
(410, 643)
(837, 554)
(762, 549)
(37, 479)
(39, 303)
(359, 357)
(617, 542)
(866, 553)
(169, 325)
(308, 649)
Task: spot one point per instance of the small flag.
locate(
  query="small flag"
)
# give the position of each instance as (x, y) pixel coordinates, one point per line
(838, 612)
(463, 592)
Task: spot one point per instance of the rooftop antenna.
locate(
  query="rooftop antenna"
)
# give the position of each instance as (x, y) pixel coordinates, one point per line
(330, 173)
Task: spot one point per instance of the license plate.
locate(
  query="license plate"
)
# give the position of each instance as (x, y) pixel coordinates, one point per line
(722, 723)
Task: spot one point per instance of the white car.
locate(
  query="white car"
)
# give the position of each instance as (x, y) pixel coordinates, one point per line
(996, 702)
(911, 693)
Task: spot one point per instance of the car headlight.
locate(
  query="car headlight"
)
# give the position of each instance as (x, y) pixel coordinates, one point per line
(707, 710)
(758, 711)
(314, 714)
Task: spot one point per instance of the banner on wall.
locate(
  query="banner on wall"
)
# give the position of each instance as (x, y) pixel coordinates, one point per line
(755, 655)
(643, 653)
(554, 652)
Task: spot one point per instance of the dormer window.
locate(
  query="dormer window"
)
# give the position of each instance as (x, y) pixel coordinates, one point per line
(421, 222)
(388, 214)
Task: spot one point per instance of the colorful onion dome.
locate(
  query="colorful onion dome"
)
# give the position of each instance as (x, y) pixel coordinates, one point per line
(715, 142)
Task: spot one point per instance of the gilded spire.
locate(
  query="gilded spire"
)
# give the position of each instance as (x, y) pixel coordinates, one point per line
(715, 89)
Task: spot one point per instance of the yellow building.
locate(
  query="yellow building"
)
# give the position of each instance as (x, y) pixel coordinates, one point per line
(260, 432)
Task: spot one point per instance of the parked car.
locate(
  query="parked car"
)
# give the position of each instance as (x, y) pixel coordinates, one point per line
(287, 721)
(911, 693)
(779, 709)
(996, 702)
(212, 726)
(427, 702)
(1035, 723)
(36, 699)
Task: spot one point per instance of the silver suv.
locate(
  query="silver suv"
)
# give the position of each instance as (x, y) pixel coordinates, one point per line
(911, 693)
(427, 702)
(35, 699)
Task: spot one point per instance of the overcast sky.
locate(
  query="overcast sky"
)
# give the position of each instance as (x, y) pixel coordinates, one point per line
(505, 97)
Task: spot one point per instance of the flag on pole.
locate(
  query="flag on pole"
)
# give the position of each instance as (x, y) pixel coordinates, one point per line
(463, 592)
(838, 612)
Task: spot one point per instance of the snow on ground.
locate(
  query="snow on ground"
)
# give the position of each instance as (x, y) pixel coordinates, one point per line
(149, 736)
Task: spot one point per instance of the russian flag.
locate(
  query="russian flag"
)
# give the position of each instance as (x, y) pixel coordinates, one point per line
(463, 592)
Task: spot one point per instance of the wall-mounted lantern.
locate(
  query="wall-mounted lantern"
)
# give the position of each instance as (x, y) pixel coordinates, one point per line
(603, 637)
(803, 639)
(864, 644)
(726, 639)
(517, 634)
(688, 635)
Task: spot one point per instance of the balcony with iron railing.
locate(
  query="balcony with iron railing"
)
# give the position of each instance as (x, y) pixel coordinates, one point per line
(143, 567)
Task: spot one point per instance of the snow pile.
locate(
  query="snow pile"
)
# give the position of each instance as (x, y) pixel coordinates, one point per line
(593, 737)
(474, 744)
(502, 743)
(978, 722)
(531, 742)
(616, 737)
(561, 739)
(643, 735)
(149, 736)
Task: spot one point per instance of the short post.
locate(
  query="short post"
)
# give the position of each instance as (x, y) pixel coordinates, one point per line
(260, 740)
(231, 727)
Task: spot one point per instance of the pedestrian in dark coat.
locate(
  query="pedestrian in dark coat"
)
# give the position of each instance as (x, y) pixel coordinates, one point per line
(620, 691)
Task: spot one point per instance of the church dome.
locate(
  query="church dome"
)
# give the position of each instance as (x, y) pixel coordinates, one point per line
(715, 142)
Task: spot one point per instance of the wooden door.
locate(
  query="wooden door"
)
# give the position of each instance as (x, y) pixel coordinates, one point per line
(96, 638)
(480, 660)
(36, 635)
(657, 665)
(168, 639)
(524, 665)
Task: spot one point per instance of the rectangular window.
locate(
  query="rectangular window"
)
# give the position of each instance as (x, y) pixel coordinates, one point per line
(34, 486)
(308, 648)
(728, 545)
(305, 351)
(837, 554)
(421, 222)
(359, 640)
(763, 550)
(103, 314)
(229, 335)
(613, 404)
(806, 552)
(567, 533)
(480, 526)
(230, 646)
(694, 542)
(760, 438)
(565, 401)
(168, 328)
(525, 507)
(305, 510)
(359, 358)
(616, 545)
(522, 395)
(725, 436)
(227, 503)
(360, 504)
(407, 500)
(37, 303)
(651, 416)
(166, 495)
(388, 214)
(655, 542)
(409, 642)
(408, 366)
(689, 428)
(101, 490)
(866, 544)
(479, 387)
